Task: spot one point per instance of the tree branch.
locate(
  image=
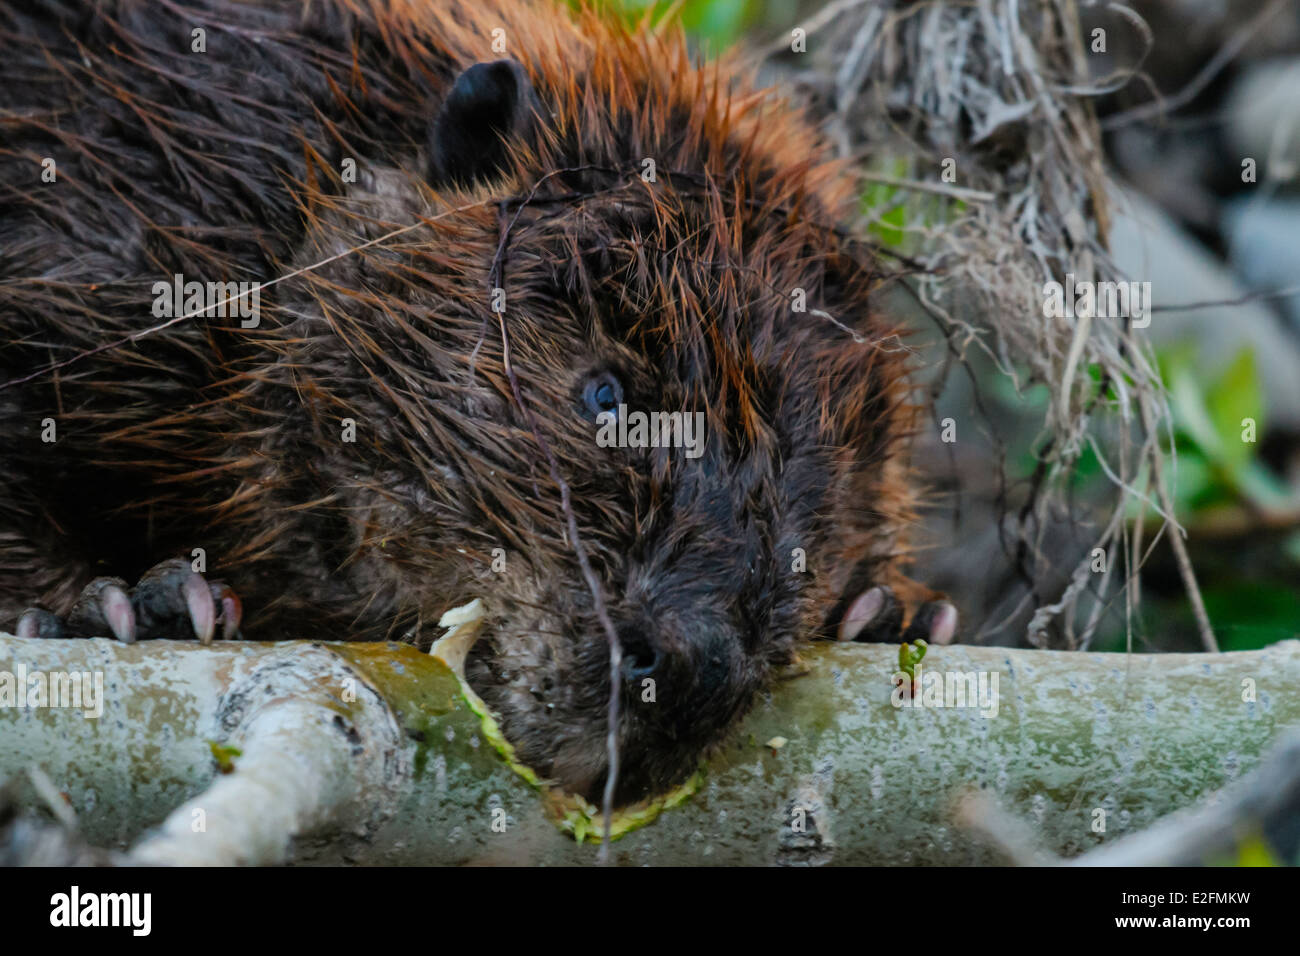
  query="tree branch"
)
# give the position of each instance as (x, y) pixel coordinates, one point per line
(372, 753)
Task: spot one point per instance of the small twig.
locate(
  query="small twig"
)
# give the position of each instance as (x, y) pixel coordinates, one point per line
(1241, 300)
(495, 279)
(1176, 542)
(942, 189)
(816, 22)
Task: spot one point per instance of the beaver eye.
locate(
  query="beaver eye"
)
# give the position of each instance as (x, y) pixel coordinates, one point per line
(602, 393)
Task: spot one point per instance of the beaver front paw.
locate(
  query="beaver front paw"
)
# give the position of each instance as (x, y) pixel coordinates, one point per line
(876, 615)
(170, 601)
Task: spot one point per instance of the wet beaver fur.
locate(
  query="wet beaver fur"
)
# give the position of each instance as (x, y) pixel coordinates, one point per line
(654, 228)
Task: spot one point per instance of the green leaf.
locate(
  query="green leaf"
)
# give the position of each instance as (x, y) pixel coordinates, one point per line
(1235, 397)
(1252, 851)
(1264, 488)
(224, 755)
(1173, 360)
(1194, 482)
(909, 655)
(718, 21)
(1255, 852)
(1192, 416)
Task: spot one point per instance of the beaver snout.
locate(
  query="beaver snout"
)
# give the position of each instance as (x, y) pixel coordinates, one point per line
(652, 648)
(698, 659)
(642, 656)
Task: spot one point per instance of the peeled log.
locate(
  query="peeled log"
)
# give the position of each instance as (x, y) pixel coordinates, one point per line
(370, 753)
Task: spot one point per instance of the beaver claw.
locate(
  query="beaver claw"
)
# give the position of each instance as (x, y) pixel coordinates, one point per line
(876, 615)
(170, 601)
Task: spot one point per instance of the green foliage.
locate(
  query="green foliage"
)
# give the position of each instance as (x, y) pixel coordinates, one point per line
(1216, 435)
(717, 24)
(895, 209)
(1252, 851)
(888, 211)
(1253, 613)
(1248, 582)
(909, 655)
(224, 755)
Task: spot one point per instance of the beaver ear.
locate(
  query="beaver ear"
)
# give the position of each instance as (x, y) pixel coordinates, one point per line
(489, 105)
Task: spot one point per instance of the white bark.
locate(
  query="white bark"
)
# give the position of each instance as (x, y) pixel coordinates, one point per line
(370, 753)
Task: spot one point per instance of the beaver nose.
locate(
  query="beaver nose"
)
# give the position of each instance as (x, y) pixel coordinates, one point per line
(641, 658)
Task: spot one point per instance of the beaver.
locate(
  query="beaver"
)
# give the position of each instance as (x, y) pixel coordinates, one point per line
(474, 232)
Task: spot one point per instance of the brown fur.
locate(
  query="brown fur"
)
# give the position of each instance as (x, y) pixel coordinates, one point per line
(225, 165)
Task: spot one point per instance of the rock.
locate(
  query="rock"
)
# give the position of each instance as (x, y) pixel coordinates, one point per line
(1263, 241)
(1263, 110)
(1148, 246)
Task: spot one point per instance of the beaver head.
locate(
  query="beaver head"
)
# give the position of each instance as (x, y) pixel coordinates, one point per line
(606, 236)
